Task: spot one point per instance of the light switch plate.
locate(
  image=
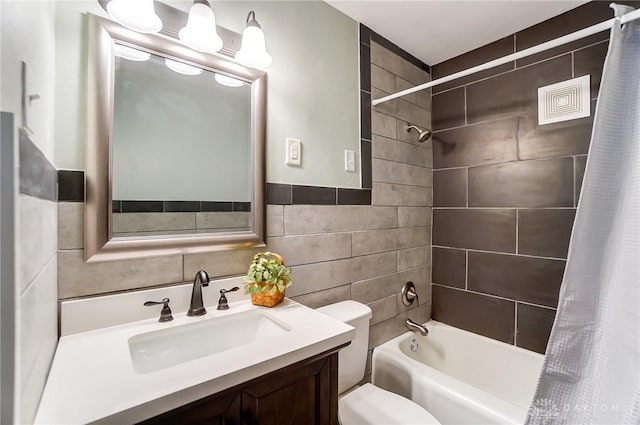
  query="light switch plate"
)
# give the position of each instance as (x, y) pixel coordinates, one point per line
(293, 154)
(349, 160)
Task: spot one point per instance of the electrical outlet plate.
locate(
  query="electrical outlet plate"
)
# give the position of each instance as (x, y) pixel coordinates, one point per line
(349, 160)
(293, 154)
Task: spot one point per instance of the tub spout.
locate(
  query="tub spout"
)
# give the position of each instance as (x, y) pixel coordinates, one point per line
(413, 326)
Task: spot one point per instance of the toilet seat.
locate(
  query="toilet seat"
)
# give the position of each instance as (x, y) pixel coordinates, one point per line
(369, 404)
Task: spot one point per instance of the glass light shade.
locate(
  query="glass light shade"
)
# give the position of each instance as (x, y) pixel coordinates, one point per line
(130, 53)
(253, 50)
(200, 32)
(138, 15)
(182, 68)
(228, 81)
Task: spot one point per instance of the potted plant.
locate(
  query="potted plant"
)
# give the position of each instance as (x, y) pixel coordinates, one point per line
(267, 279)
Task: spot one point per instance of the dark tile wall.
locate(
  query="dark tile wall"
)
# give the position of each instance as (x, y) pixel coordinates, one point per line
(504, 188)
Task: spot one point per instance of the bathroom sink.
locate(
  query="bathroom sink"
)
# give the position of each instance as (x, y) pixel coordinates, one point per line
(163, 348)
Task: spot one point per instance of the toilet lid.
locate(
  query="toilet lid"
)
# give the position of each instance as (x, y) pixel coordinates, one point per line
(372, 405)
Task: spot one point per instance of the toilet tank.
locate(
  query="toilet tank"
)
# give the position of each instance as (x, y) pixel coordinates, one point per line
(353, 358)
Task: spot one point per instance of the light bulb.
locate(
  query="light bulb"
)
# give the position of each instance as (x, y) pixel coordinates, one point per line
(253, 50)
(228, 81)
(200, 32)
(182, 68)
(138, 15)
(130, 53)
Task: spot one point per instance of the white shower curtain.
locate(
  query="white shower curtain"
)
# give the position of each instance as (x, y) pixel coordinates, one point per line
(591, 372)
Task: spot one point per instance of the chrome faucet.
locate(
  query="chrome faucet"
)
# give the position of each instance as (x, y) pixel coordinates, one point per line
(197, 307)
(413, 326)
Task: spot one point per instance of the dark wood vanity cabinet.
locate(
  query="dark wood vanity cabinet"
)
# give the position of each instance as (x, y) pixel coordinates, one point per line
(305, 393)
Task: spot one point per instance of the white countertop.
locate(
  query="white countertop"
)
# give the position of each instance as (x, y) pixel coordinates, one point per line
(92, 379)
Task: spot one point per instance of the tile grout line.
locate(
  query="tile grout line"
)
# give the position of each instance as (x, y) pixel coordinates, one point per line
(521, 67)
(467, 187)
(471, 291)
(515, 325)
(484, 251)
(466, 271)
(517, 228)
(575, 201)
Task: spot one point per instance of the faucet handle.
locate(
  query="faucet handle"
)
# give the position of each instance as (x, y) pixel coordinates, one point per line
(165, 314)
(223, 304)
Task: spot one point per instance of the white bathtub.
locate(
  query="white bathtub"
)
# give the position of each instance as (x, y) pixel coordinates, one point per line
(458, 376)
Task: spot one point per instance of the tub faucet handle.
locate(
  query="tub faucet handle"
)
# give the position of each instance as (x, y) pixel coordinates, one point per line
(223, 304)
(165, 314)
(409, 294)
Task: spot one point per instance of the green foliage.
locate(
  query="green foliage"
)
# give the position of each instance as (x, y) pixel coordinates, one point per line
(266, 274)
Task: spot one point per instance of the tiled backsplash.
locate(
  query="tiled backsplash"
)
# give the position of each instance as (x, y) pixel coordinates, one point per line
(359, 244)
(36, 277)
(505, 189)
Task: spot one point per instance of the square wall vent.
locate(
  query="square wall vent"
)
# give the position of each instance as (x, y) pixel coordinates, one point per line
(564, 101)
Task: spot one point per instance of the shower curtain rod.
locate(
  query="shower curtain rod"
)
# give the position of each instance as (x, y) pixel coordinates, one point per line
(627, 17)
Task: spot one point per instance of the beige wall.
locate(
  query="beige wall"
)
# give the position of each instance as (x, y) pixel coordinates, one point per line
(315, 63)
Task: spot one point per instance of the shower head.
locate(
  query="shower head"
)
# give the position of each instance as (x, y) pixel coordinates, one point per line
(423, 134)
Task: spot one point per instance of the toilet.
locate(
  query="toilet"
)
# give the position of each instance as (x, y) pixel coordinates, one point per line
(367, 404)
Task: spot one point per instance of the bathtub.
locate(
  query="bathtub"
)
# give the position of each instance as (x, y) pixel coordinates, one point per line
(458, 376)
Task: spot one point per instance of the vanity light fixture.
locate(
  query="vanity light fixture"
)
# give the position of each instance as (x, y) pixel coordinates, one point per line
(182, 68)
(130, 53)
(228, 81)
(200, 32)
(253, 50)
(138, 15)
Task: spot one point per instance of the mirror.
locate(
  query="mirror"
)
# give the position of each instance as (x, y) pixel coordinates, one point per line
(175, 153)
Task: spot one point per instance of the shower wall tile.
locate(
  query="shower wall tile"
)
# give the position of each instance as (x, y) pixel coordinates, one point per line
(70, 225)
(579, 164)
(305, 219)
(495, 50)
(553, 140)
(537, 183)
(322, 298)
(514, 92)
(383, 125)
(80, 279)
(384, 171)
(485, 143)
(304, 249)
(414, 216)
(488, 316)
(590, 61)
(394, 150)
(401, 195)
(421, 98)
(390, 61)
(500, 161)
(568, 22)
(545, 232)
(534, 327)
(414, 257)
(415, 176)
(449, 267)
(382, 79)
(448, 109)
(528, 279)
(485, 229)
(450, 188)
(275, 220)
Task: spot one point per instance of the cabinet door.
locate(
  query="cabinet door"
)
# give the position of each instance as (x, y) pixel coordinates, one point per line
(303, 394)
(215, 410)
